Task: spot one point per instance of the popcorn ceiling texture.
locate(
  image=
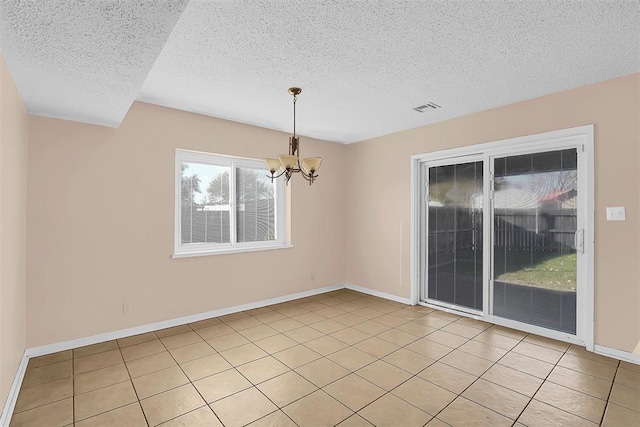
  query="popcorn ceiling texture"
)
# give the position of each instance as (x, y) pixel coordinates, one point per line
(83, 60)
(363, 66)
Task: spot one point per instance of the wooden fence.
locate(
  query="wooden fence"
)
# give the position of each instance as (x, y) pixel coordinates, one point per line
(256, 222)
(535, 229)
(523, 229)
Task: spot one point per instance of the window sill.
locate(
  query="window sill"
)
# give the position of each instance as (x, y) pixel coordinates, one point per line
(230, 251)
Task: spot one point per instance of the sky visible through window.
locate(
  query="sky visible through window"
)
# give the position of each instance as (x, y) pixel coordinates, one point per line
(206, 174)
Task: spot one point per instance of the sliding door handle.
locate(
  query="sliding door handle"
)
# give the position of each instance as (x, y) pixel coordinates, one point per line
(578, 240)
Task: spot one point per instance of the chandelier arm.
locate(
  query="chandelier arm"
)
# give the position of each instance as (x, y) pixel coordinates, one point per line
(308, 176)
(273, 176)
(309, 180)
(288, 174)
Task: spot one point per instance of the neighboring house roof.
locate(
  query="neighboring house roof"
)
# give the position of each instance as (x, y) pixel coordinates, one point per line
(515, 198)
(518, 198)
(559, 196)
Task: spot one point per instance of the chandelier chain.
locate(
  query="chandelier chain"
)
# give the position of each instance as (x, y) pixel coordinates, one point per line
(295, 98)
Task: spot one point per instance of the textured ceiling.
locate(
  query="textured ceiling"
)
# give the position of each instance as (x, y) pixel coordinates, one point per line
(363, 66)
(83, 60)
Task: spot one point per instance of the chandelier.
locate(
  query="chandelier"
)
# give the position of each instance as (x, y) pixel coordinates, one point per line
(288, 164)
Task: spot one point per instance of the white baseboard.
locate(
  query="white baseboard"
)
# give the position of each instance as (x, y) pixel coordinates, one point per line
(12, 397)
(379, 294)
(123, 333)
(617, 354)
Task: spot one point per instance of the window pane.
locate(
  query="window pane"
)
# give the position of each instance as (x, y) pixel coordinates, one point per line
(205, 203)
(255, 205)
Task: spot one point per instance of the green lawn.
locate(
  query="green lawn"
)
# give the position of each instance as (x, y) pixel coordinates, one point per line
(550, 270)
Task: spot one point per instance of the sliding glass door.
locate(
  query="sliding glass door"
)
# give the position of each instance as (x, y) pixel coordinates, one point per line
(455, 216)
(535, 224)
(501, 234)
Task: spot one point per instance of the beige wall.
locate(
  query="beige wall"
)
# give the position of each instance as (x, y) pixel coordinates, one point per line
(378, 202)
(101, 220)
(13, 197)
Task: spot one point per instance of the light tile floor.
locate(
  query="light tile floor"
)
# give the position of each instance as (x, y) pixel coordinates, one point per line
(341, 358)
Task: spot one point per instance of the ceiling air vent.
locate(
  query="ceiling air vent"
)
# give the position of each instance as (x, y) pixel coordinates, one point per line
(427, 106)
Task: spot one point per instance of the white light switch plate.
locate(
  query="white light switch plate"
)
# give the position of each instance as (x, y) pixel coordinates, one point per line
(617, 213)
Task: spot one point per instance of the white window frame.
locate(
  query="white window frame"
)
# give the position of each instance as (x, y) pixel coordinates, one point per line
(182, 250)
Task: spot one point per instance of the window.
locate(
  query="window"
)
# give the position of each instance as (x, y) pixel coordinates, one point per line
(226, 204)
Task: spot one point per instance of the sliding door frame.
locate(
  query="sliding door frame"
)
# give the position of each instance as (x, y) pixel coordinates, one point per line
(578, 137)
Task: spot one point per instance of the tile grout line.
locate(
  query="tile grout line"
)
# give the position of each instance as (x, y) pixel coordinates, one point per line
(107, 386)
(606, 402)
(188, 378)
(386, 392)
(435, 361)
(73, 387)
(400, 347)
(131, 380)
(407, 320)
(321, 357)
(474, 381)
(254, 386)
(44, 384)
(577, 391)
(177, 364)
(324, 334)
(294, 369)
(606, 406)
(542, 383)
